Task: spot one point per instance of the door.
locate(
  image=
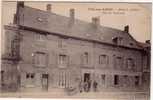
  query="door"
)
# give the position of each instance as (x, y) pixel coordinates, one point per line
(45, 81)
(87, 82)
(86, 77)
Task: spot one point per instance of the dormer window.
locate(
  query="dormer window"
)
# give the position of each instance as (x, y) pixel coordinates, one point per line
(117, 40)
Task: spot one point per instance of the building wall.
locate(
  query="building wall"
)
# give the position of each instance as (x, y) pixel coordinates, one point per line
(53, 46)
(9, 76)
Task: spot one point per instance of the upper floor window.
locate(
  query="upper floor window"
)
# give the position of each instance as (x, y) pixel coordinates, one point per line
(40, 59)
(15, 47)
(62, 42)
(119, 62)
(103, 59)
(130, 63)
(85, 58)
(63, 59)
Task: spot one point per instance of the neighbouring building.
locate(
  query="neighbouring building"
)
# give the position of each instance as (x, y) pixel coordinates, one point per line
(44, 50)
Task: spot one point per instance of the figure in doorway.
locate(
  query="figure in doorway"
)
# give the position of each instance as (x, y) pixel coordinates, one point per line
(86, 86)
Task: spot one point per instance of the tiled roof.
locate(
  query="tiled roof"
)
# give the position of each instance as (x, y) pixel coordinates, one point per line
(54, 23)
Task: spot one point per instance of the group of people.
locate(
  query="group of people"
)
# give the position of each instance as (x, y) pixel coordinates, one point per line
(87, 85)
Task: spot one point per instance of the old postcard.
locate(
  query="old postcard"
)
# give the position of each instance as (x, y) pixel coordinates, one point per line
(75, 50)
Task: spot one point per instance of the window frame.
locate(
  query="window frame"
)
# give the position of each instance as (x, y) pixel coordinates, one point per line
(130, 61)
(38, 59)
(103, 59)
(40, 36)
(119, 63)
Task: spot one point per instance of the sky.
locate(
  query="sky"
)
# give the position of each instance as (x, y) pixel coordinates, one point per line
(115, 15)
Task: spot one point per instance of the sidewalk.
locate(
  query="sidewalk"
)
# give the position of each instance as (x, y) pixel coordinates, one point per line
(91, 95)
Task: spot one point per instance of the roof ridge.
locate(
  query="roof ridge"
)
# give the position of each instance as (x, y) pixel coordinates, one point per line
(76, 19)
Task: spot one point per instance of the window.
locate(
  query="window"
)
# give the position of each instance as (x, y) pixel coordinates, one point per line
(40, 59)
(15, 47)
(117, 40)
(63, 59)
(40, 37)
(62, 42)
(118, 62)
(130, 63)
(116, 80)
(136, 80)
(2, 75)
(103, 59)
(30, 81)
(103, 78)
(86, 58)
(62, 79)
(29, 75)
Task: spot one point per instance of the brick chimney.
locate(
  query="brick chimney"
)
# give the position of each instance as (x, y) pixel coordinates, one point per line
(20, 4)
(126, 29)
(96, 21)
(49, 7)
(72, 15)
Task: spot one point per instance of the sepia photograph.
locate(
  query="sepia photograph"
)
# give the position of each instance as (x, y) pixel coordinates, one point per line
(91, 50)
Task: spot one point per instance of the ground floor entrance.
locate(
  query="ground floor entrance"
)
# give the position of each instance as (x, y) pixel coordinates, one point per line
(45, 81)
(86, 77)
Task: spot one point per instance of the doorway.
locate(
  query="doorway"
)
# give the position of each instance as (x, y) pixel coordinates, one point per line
(86, 77)
(45, 82)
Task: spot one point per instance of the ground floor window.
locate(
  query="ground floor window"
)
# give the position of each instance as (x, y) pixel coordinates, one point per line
(116, 80)
(62, 79)
(30, 75)
(103, 79)
(30, 78)
(137, 80)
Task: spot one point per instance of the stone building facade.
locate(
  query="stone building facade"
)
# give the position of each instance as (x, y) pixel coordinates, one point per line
(44, 50)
